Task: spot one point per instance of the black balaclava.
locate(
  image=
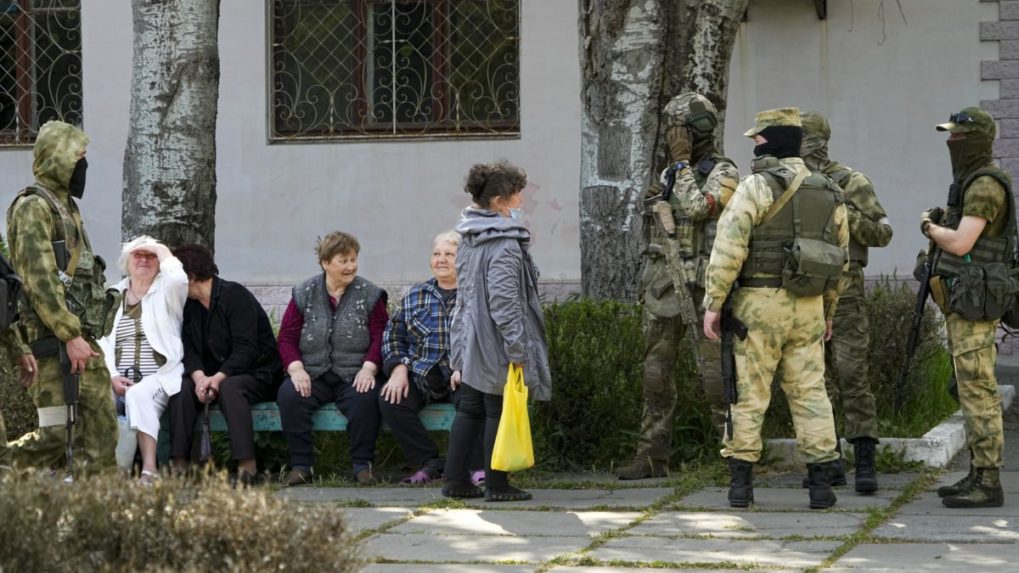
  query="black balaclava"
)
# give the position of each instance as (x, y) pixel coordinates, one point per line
(76, 185)
(701, 147)
(969, 154)
(782, 141)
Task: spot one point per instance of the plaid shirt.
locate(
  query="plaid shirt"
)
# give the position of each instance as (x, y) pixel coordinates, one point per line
(418, 332)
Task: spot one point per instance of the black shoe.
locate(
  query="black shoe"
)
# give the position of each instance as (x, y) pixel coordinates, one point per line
(460, 491)
(865, 481)
(836, 475)
(821, 495)
(508, 493)
(961, 485)
(741, 483)
(298, 476)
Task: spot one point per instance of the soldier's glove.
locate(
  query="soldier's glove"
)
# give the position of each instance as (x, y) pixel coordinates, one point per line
(654, 191)
(678, 139)
(930, 217)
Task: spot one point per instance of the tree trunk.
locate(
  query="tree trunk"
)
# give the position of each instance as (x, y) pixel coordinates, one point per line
(636, 55)
(170, 161)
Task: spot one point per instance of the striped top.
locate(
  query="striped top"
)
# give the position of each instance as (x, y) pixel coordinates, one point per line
(135, 356)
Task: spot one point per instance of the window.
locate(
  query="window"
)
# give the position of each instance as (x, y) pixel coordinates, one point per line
(358, 69)
(40, 66)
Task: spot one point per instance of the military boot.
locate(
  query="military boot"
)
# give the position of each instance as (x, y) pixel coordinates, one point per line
(984, 491)
(837, 471)
(821, 495)
(642, 467)
(866, 473)
(961, 485)
(741, 483)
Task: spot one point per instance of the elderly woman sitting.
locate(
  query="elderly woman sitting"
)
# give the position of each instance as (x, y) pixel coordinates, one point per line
(416, 358)
(330, 341)
(230, 357)
(144, 351)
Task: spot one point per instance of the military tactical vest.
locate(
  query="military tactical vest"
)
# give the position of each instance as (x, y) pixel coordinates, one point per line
(1000, 249)
(79, 269)
(809, 215)
(840, 174)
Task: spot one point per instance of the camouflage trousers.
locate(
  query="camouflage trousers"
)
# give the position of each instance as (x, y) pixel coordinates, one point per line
(95, 431)
(846, 356)
(973, 355)
(662, 339)
(786, 331)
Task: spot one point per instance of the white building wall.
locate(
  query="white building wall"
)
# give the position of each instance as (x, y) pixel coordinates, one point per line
(882, 90)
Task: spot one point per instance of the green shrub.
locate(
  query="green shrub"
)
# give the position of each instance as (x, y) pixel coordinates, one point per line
(15, 403)
(108, 524)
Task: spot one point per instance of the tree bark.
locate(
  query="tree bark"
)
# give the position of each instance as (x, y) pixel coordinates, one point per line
(635, 56)
(170, 161)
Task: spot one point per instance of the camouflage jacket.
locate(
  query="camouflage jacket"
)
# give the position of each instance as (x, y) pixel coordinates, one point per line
(868, 221)
(31, 230)
(745, 211)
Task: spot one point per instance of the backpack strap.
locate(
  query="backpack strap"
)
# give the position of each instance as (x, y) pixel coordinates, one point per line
(61, 229)
(785, 197)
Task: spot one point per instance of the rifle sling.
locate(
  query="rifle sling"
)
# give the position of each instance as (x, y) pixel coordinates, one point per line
(785, 197)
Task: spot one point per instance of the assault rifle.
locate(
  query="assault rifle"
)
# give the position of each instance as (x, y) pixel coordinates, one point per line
(731, 326)
(914, 330)
(680, 282)
(71, 405)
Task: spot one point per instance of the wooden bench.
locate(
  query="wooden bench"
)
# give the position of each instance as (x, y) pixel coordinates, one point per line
(266, 418)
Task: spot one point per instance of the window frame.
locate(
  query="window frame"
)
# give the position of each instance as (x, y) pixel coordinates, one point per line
(26, 123)
(394, 130)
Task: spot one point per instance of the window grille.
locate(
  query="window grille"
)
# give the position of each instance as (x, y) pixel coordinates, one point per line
(368, 69)
(40, 66)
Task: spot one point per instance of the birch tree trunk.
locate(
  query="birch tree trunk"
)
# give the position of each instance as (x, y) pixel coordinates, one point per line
(635, 56)
(170, 161)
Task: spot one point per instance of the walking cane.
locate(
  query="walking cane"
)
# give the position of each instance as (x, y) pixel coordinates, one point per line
(206, 446)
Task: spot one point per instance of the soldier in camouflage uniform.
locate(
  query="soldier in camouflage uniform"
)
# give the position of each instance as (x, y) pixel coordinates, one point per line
(704, 181)
(14, 348)
(780, 204)
(976, 228)
(846, 354)
(64, 304)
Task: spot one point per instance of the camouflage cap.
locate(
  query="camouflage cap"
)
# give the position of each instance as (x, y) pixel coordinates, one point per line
(785, 116)
(815, 124)
(970, 120)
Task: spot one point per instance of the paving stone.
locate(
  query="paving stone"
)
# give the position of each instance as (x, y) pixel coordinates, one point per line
(582, 498)
(760, 552)
(1009, 480)
(758, 524)
(383, 496)
(783, 499)
(795, 480)
(437, 568)
(361, 518)
(961, 528)
(980, 557)
(930, 504)
(460, 548)
(521, 523)
(655, 570)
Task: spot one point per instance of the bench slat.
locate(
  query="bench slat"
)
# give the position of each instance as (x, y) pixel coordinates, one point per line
(266, 418)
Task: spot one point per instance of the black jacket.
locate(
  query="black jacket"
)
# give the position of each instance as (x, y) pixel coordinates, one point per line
(238, 335)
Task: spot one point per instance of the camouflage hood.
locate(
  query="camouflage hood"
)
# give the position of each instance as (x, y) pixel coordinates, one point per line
(56, 152)
(816, 133)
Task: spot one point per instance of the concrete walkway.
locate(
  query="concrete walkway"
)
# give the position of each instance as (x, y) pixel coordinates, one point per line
(902, 528)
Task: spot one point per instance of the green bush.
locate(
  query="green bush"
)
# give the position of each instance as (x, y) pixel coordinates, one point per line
(108, 524)
(15, 403)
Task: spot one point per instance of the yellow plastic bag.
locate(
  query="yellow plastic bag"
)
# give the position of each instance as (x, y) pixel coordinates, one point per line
(513, 448)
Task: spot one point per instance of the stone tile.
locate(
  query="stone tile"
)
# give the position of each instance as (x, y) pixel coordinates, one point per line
(999, 31)
(754, 524)
(992, 70)
(960, 528)
(930, 504)
(624, 570)
(361, 518)
(582, 498)
(783, 499)
(794, 480)
(461, 548)
(982, 558)
(759, 552)
(520, 523)
(1008, 10)
(437, 568)
(380, 496)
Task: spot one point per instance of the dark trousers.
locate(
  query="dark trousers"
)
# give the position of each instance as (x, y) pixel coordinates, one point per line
(361, 410)
(477, 415)
(236, 395)
(418, 447)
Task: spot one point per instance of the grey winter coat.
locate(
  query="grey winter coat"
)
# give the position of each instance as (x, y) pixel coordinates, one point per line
(498, 317)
